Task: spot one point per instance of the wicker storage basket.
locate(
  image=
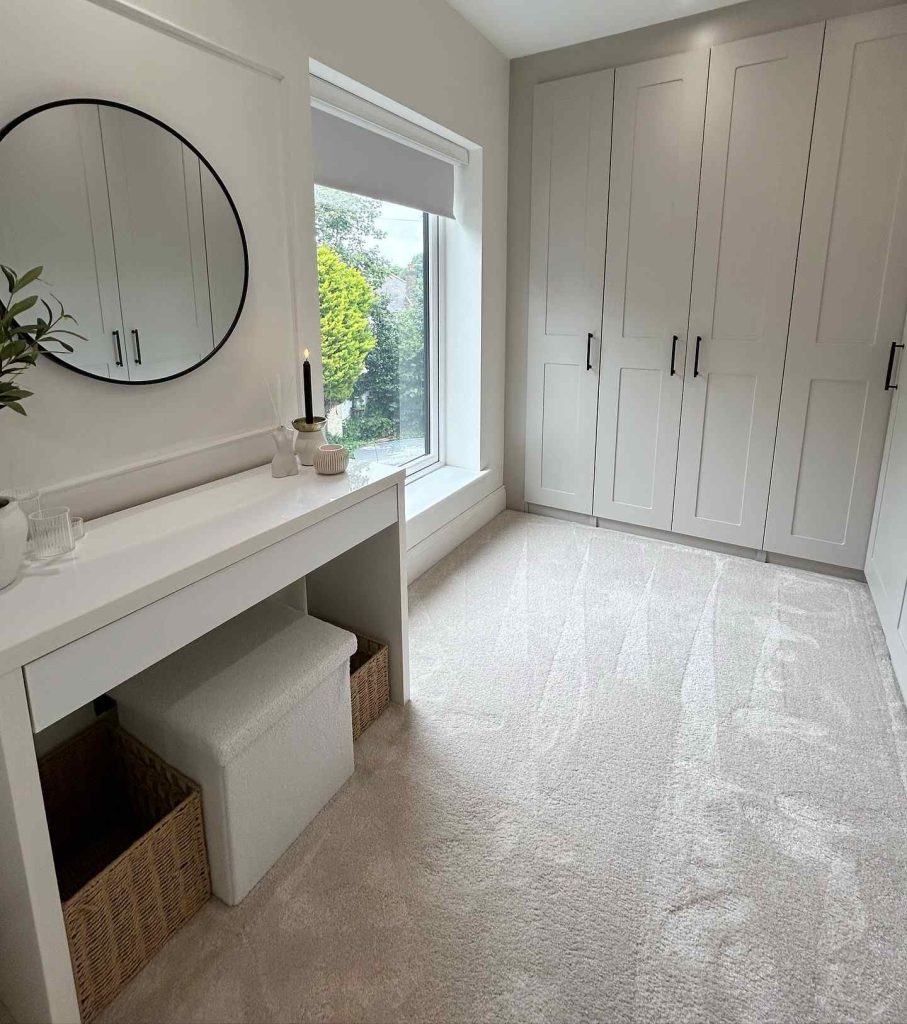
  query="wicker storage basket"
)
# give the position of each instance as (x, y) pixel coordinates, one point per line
(129, 848)
(369, 684)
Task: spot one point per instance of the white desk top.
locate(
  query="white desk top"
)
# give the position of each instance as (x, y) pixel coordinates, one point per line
(131, 558)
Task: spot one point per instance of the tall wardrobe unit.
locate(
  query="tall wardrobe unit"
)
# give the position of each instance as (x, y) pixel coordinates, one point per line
(718, 271)
(886, 561)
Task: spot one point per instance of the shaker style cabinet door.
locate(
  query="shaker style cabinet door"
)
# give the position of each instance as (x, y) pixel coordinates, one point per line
(850, 296)
(656, 151)
(759, 115)
(886, 563)
(158, 225)
(570, 161)
(62, 222)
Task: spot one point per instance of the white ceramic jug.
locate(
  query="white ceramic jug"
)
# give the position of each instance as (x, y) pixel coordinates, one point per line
(13, 538)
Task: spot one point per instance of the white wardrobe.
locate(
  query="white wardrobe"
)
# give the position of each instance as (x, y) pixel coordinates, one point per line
(718, 269)
(886, 561)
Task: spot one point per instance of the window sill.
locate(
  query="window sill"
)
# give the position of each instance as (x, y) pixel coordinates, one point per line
(438, 497)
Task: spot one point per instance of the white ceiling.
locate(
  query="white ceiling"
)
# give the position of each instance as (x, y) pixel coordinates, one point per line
(518, 27)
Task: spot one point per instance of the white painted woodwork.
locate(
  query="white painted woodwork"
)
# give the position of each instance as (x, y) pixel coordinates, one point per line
(67, 678)
(131, 559)
(758, 122)
(656, 150)
(36, 980)
(339, 592)
(571, 141)
(156, 206)
(142, 583)
(850, 296)
(886, 562)
(62, 222)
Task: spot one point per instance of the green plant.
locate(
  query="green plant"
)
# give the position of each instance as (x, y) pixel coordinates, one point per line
(346, 299)
(22, 343)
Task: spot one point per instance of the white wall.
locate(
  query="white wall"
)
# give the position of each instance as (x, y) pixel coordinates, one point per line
(253, 124)
(697, 32)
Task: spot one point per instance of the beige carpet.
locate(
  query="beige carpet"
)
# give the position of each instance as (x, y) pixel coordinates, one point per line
(637, 782)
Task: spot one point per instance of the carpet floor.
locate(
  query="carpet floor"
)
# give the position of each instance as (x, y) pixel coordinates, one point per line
(636, 782)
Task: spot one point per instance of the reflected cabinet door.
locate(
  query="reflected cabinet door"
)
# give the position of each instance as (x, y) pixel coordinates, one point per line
(850, 296)
(159, 231)
(61, 221)
(570, 159)
(656, 151)
(758, 121)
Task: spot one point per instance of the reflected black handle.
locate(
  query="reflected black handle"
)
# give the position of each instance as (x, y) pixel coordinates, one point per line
(138, 347)
(589, 351)
(888, 385)
(673, 353)
(118, 348)
(696, 357)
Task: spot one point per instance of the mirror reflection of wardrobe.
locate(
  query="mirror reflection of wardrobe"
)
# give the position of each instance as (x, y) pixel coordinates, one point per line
(137, 238)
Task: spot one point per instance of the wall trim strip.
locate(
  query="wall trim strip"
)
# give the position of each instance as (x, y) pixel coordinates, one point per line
(169, 28)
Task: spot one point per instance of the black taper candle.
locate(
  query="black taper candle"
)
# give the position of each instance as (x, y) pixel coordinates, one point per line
(307, 387)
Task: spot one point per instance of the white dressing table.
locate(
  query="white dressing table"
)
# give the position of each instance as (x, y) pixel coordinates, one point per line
(141, 584)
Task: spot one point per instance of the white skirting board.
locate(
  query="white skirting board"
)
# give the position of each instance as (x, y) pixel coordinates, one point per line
(422, 556)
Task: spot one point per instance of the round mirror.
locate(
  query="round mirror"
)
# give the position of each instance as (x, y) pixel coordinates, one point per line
(138, 237)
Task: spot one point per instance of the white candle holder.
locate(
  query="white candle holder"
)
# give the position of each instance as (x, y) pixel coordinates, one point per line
(309, 438)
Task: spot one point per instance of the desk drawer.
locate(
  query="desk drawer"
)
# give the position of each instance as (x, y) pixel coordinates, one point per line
(74, 675)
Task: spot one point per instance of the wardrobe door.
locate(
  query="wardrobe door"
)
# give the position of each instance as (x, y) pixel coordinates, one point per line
(570, 157)
(158, 224)
(54, 213)
(758, 122)
(656, 151)
(850, 296)
(886, 563)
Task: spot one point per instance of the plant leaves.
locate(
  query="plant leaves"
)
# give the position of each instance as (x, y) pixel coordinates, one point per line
(73, 334)
(20, 307)
(26, 279)
(12, 392)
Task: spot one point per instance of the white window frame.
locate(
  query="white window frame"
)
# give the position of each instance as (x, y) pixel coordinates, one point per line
(436, 396)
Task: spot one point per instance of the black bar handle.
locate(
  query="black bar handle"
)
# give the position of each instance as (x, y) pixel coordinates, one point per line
(138, 347)
(119, 348)
(888, 385)
(673, 353)
(696, 357)
(589, 351)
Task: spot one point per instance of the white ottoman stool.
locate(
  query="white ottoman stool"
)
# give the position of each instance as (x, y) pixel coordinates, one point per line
(257, 712)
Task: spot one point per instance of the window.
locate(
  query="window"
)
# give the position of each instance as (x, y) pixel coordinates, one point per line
(377, 286)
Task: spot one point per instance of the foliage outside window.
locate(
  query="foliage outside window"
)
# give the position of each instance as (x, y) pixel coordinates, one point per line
(375, 337)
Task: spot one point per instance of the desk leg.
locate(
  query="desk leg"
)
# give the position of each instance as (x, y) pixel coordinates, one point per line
(36, 982)
(364, 589)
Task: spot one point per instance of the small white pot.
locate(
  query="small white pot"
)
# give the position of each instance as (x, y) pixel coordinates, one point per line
(13, 538)
(331, 459)
(309, 439)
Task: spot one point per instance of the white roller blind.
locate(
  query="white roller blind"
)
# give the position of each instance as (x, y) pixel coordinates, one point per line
(368, 161)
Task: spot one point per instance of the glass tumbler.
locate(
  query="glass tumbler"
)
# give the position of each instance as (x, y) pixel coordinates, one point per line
(29, 501)
(51, 532)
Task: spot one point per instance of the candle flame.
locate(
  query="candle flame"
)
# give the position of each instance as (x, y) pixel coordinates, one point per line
(305, 354)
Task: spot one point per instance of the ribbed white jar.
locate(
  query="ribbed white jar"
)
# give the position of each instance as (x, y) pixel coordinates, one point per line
(330, 459)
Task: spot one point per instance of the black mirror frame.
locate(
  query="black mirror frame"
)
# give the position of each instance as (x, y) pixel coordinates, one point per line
(242, 234)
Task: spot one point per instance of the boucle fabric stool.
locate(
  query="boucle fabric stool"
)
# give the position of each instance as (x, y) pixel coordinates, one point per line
(258, 713)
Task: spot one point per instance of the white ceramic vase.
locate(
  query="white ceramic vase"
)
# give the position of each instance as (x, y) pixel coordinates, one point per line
(284, 462)
(309, 439)
(13, 538)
